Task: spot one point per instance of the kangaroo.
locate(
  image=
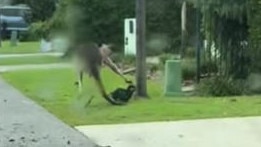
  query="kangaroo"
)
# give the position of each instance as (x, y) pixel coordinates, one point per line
(90, 57)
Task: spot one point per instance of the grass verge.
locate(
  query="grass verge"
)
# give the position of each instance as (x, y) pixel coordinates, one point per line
(54, 90)
(21, 48)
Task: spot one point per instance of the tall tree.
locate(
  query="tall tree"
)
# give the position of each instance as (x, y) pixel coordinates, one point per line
(224, 26)
(254, 21)
(162, 19)
(97, 21)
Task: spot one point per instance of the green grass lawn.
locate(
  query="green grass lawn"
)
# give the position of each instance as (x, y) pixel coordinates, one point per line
(23, 47)
(30, 60)
(54, 90)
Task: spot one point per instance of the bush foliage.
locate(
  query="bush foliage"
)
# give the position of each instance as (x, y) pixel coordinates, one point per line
(221, 86)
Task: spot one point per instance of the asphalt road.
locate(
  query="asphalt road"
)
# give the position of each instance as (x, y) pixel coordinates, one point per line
(25, 124)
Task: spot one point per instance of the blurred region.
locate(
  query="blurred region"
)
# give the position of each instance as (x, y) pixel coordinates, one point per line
(205, 48)
(216, 40)
(5, 2)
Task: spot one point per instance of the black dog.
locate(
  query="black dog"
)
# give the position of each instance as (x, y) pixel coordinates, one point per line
(123, 95)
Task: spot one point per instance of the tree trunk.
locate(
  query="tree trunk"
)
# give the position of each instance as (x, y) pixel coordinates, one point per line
(141, 51)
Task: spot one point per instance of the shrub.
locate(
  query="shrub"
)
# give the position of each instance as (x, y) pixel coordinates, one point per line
(129, 60)
(190, 52)
(188, 69)
(152, 67)
(24, 36)
(164, 57)
(188, 65)
(221, 86)
(38, 30)
(254, 83)
(208, 67)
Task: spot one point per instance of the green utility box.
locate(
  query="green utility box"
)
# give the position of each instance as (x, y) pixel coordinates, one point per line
(173, 78)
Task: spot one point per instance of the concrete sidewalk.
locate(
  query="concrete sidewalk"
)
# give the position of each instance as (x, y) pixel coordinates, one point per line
(25, 124)
(234, 132)
(30, 55)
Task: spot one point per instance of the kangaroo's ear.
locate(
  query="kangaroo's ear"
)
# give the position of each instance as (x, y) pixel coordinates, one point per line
(107, 46)
(104, 45)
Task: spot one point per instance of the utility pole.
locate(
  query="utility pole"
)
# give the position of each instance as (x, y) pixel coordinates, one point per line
(141, 74)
